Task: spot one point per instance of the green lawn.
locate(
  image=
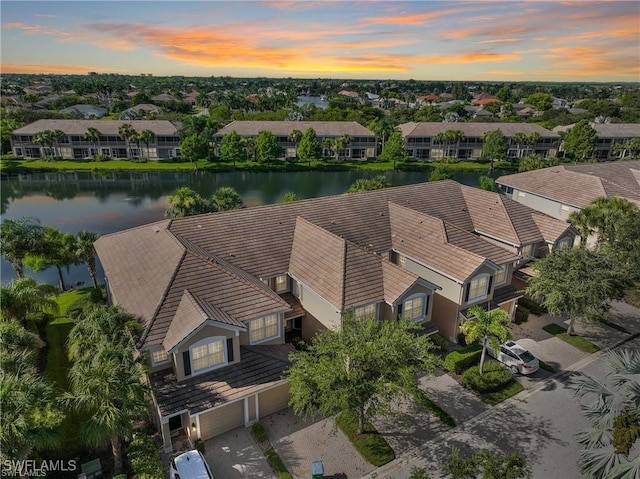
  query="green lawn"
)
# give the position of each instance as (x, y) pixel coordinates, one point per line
(373, 447)
(575, 341)
(495, 397)
(437, 411)
(547, 367)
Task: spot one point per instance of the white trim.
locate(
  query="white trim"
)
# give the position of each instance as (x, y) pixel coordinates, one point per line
(275, 283)
(479, 277)
(269, 338)
(506, 273)
(197, 426)
(414, 296)
(207, 322)
(257, 405)
(246, 410)
(207, 341)
(159, 363)
(364, 306)
(317, 294)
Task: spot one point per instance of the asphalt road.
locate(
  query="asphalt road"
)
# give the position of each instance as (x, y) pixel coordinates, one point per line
(539, 423)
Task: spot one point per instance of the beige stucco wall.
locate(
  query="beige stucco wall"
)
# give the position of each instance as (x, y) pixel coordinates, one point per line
(544, 205)
(310, 327)
(450, 288)
(320, 309)
(445, 316)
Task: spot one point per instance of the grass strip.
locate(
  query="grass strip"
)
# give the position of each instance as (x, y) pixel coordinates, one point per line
(436, 410)
(554, 329)
(547, 367)
(613, 325)
(370, 444)
(575, 341)
(262, 438)
(495, 397)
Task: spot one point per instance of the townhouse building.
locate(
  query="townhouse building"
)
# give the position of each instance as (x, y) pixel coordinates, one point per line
(222, 295)
(610, 138)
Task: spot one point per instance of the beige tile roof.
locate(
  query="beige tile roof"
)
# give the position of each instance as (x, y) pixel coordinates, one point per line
(473, 129)
(552, 230)
(471, 242)
(106, 127)
(398, 280)
(579, 185)
(260, 368)
(284, 128)
(609, 130)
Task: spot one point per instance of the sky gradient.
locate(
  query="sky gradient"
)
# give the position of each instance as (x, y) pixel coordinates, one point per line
(422, 40)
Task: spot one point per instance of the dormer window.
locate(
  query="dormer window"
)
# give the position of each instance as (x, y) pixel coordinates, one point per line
(501, 275)
(565, 243)
(368, 311)
(207, 354)
(264, 329)
(527, 251)
(478, 288)
(415, 307)
(402, 260)
(282, 283)
(159, 356)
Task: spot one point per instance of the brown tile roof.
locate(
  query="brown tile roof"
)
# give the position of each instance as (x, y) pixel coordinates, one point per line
(609, 130)
(551, 229)
(471, 242)
(261, 367)
(284, 128)
(398, 280)
(474, 129)
(106, 127)
(579, 185)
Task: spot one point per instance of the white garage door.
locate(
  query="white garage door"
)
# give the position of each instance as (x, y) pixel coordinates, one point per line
(273, 400)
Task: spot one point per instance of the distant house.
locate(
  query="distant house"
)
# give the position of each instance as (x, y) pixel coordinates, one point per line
(163, 97)
(421, 143)
(361, 146)
(230, 290)
(139, 112)
(73, 144)
(609, 135)
(85, 111)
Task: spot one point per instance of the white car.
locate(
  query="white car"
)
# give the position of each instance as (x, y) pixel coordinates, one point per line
(189, 465)
(518, 359)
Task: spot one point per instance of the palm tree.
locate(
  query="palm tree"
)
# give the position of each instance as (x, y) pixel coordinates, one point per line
(342, 142)
(329, 144)
(249, 146)
(604, 217)
(184, 201)
(227, 198)
(532, 140)
(520, 139)
(294, 137)
(86, 252)
(58, 249)
(486, 327)
(126, 132)
(383, 128)
(19, 238)
(24, 299)
(611, 408)
(58, 135)
(447, 139)
(147, 136)
(93, 135)
(45, 140)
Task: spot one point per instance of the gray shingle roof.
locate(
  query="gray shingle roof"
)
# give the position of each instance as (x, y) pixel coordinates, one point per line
(609, 130)
(475, 129)
(284, 128)
(106, 127)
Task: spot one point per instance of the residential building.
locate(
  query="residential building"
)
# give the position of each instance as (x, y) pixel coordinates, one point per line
(221, 295)
(421, 144)
(609, 135)
(85, 111)
(362, 142)
(74, 144)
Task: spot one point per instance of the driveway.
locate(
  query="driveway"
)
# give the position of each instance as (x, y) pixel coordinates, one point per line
(299, 442)
(235, 454)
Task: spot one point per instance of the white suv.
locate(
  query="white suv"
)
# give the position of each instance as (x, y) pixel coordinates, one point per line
(518, 359)
(189, 465)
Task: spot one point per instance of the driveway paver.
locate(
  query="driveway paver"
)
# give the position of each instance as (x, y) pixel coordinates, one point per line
(235, 454)
(299, 442)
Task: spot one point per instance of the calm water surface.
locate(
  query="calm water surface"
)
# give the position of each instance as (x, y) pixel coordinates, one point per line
(110, 202)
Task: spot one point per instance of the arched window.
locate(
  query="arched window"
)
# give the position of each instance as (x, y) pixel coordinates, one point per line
(479, 287)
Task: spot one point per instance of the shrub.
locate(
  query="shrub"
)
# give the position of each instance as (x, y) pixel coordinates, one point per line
(96, 295)
(260, 431)
(144, 458)
(440, 343)
(494, 377)
(101, 157)
(120, 476)
(199, 445)
(533, 306)
(79, 307)
(458, 361)
(522, 314)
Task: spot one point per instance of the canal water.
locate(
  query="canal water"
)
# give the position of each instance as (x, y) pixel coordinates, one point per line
(112, 201)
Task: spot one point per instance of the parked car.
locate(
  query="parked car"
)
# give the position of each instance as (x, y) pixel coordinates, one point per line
(190, 465)
(518, 359)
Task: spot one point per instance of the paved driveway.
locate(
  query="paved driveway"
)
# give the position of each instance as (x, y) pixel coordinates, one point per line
(236, 455)
(299, 442)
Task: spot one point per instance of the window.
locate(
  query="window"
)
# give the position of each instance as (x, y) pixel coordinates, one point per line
(565, 243)
(521, 195)
(368, 311)
(402, 260)
(564, 209)
(159, 356)
(478, 288)
(282, 283)
(18, 151)
(263, 329)
(527, 251)
(297, 289)
(207, 354)
(414, 308)
(501, 274)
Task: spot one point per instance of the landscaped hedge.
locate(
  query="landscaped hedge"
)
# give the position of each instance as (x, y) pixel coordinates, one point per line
(440, 343)
(458, 361)
(522, 314)
(494, 377)
(144, 458)
(533, 306)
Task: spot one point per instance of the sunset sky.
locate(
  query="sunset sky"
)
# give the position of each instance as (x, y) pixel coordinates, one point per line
(423, 40)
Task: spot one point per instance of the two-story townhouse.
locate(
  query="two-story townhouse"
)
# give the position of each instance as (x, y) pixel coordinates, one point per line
(422, 141)
(220, 294)
(608, 136)
(74, 143)
(362, 144)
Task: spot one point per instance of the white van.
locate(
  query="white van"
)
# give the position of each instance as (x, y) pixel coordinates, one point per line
(190, 465)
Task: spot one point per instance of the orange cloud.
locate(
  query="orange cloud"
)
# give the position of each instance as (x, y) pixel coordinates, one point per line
(504, 72)
(591, 60)
(50, 68)
(472, 57)
(411, 19)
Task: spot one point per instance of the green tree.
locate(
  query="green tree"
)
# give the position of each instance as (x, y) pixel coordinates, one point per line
(631, 148)
(427, 113)
(487, 183)
(450, 140)
(520, 139)
(439, 172)
(147, 137)
(363, 368)
(19, 238)
(290, 197)
(193, 148)
(184, 201)
(612, 409)
(487, 465)
(57, 250)
(532, 162)
(309, 148)
(26, 300)
(231, 147)
(227, 198)
(577, 283)
(580, 141)
(369, 184)
(249, 147)
(494, 147)
(86, 252)
(540, 100)
(394, 149)
(383, 128)
(267, 148)
(341, 143)
(295, 137)
(93, 135)
(127, 133)
(488, 327)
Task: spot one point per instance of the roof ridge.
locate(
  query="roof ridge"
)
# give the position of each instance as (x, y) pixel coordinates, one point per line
(513, 228)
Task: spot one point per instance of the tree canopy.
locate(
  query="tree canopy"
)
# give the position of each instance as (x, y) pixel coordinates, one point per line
(309, 148)
(488, 327)
(394, 149)
(267, 148)
(494, 146)
(369, 184)
(19, 238)
(580, 141)
(363, 368)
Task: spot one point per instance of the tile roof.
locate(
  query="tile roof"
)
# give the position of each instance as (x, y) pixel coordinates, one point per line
(551, 230)
(579, 185)
(261, 367)
(609, 130)
(397, 281)
(473, 129)
(284, 128)
(106, 127)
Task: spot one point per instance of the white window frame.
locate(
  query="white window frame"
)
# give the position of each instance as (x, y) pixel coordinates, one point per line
(501, 275)
(363, 312)
(154, 360)
(277, 288)
(481, 277)
(252, 324)
(414, 297)
(402, 260)
(296, 288)
(565, 209)
(565, 242)
(206, 342)
(528, 247)
(521, 195)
